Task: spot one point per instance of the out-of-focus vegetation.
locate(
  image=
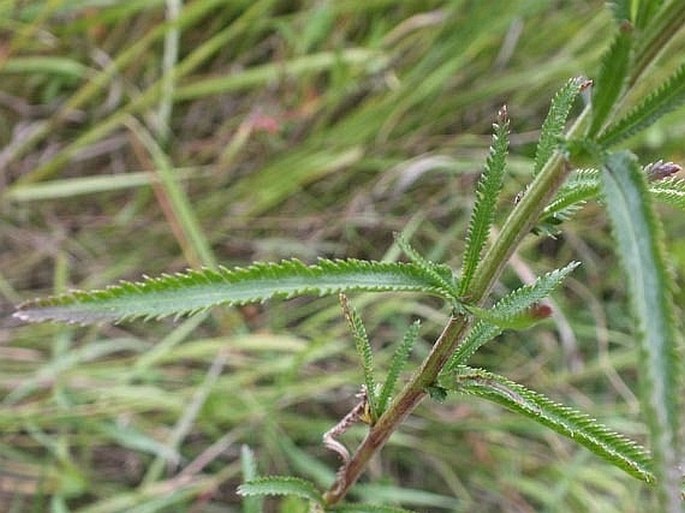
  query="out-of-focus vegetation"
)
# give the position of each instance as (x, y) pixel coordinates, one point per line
(141, 137)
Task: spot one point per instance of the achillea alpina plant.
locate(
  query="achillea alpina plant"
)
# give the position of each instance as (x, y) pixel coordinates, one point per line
(573, 166)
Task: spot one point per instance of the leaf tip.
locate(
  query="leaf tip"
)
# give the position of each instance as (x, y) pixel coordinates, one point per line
(503, 115)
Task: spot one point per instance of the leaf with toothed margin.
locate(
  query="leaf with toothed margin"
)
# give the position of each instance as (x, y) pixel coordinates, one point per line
(487, 193)
(197, 290)
(666, 97)
(639, 242)
(281, 485)
(612, 78)
(519, 308)
(553, 126)
(583, 429)
(364, 350)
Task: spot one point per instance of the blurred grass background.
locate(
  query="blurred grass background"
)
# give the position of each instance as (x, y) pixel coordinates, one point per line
(146, 137)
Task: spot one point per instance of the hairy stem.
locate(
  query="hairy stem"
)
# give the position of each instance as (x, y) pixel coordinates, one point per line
(518, 225)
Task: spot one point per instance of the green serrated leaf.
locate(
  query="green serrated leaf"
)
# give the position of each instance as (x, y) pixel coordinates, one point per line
(509, 307)
(439, 273)
(611, 80)
(364, 350)
(197, 290)
(487, 194)
(524, 297)
(645, 12)
(481, 333)
(613, 447)
(669, 96)
(581, 187)
(520, 320)
(553, 126)
(584, 185)
(621, 10)
(399, 359)
(639, 237)
(670, 191)
(281, 485)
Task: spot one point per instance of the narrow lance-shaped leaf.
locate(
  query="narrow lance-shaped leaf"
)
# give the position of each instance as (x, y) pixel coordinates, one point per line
(584, 186)
(399, 359)
(639, 237)
(613, 447)
(520, 305)
(519, 320)
(249, 468)
(198, 290)
(281, 485)
(670, 191)
(669, 96)
(555, 122)
(487, 194)
(441, 274)
(611, 80)
(364, 350)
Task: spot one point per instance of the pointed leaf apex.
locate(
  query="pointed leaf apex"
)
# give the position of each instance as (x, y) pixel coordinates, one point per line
(503, 115)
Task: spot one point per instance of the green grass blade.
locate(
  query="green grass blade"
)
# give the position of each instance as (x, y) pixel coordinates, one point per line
(579, 427)
(399, 359)
(638, 234)
(249, 18)
(669, 96)
(487, 193)
(192, 240)
(169, 60)
(522, 300)
(611, 80)
(197, 290)
(363, 346)
(553, 126)
(281, 485)
(81, 186)
(269, 72)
